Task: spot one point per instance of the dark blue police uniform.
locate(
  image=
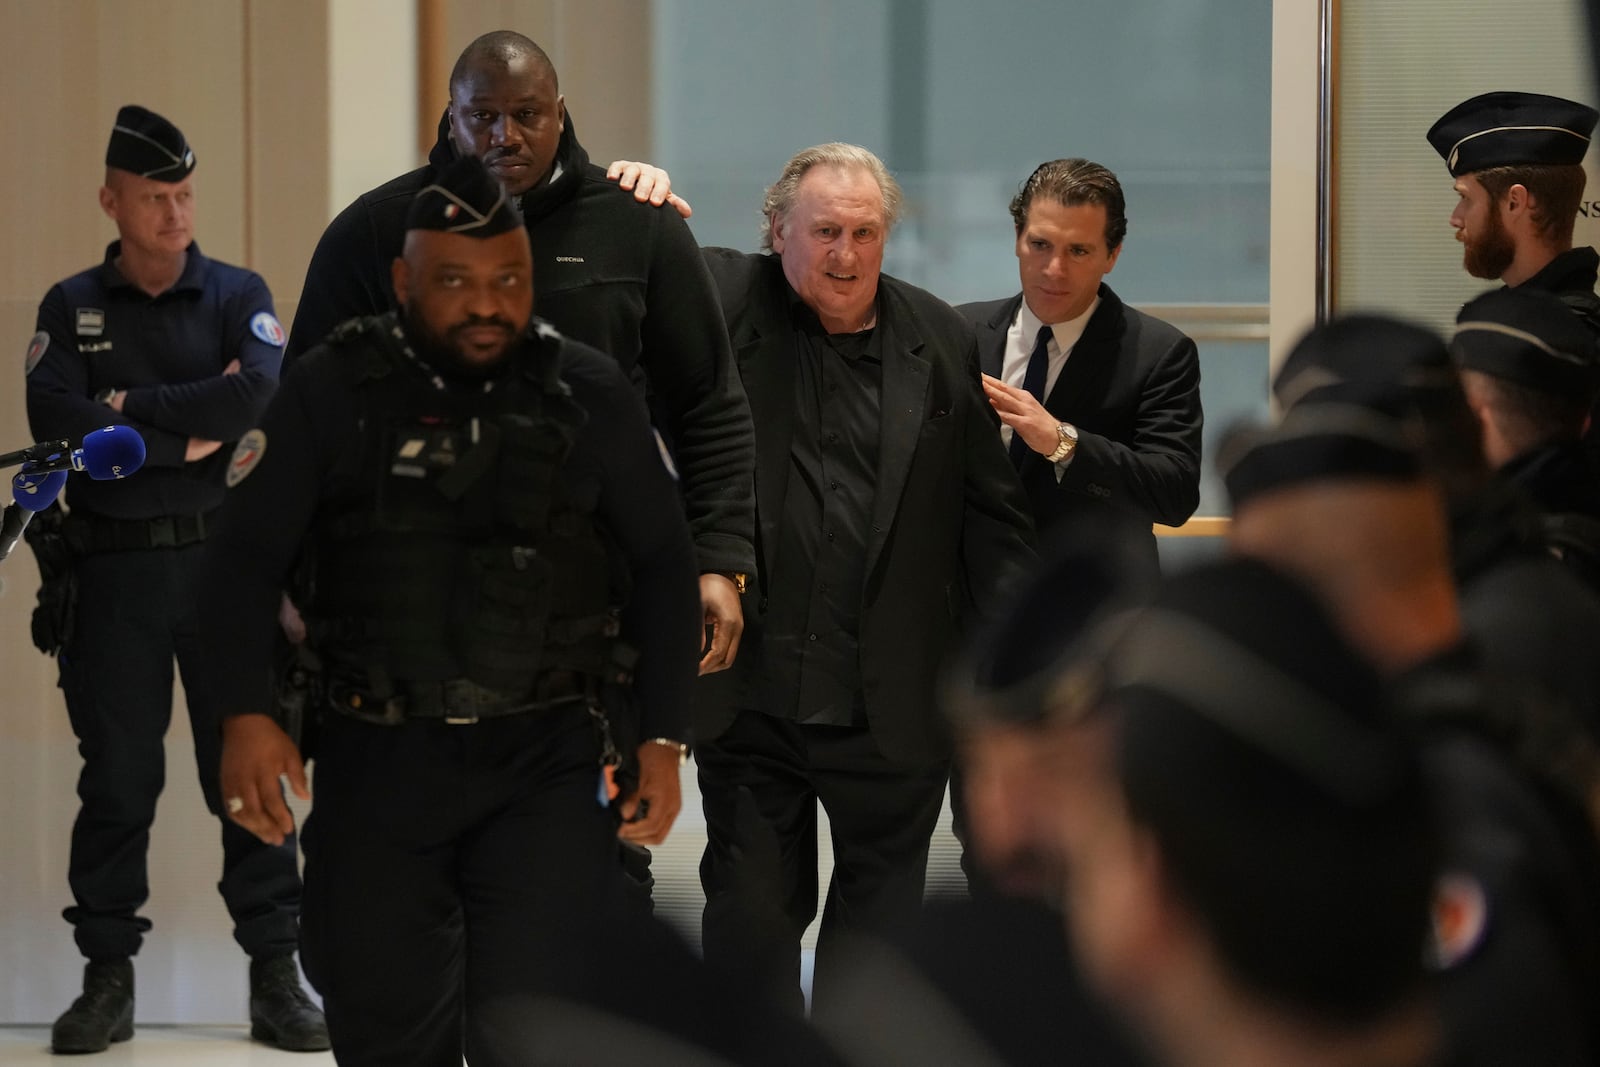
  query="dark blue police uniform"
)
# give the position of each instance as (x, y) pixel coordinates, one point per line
(136, 548)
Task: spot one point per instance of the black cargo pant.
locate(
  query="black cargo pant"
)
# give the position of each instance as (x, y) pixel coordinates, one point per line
(134, 616)
(449, 870)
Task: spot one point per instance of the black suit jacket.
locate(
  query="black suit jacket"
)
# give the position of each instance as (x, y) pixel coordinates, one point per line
(1132, 388)
(950, 527)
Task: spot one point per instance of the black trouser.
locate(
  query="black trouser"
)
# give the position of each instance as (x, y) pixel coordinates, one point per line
(134, 615)
(760, 783)
(447, 868)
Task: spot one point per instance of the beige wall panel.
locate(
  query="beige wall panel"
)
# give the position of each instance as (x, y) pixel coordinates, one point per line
(74, 62)
(606, 70)
(30, 677)
(287, 54)
(182, 58)
(601, 49)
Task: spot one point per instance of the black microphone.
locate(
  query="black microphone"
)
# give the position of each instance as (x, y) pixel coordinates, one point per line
(32, 491)
(108, 453)
(34, 452)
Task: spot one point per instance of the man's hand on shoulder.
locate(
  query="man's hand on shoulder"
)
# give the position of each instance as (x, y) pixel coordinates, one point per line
(650, 185)
(255, 752)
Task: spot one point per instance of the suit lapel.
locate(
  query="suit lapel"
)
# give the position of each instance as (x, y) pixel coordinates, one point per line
(1091, 360)
(766, 358)
(905, 392)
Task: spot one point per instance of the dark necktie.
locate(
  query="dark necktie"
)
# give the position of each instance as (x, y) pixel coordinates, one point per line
(1033, 382)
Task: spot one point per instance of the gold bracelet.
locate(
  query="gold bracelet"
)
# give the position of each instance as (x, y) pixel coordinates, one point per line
(683, 749)
(741, 581)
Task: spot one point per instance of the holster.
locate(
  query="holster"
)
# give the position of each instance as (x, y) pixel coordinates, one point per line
(617, 716)
(299, 692)
(58, 585)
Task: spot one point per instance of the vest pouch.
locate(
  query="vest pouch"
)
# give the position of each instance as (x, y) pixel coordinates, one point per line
(507, 602)
(531, 455)
(430, 467)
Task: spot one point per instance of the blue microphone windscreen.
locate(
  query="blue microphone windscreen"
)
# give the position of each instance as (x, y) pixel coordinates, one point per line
(35, 492)
(112, 452)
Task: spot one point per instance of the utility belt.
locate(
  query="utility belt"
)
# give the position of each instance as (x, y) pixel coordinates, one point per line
(89, 534)
(459, 701)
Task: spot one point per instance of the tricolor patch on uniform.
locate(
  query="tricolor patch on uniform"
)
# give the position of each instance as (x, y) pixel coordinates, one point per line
(91, 322)
(246, 454)
(1460, 919)
(36, 350)
(266, 327)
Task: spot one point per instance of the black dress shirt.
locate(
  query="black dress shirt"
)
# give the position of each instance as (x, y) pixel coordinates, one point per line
(814, 674)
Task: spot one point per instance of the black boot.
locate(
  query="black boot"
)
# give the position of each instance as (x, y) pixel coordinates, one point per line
(103, 1014)
(280, 1012)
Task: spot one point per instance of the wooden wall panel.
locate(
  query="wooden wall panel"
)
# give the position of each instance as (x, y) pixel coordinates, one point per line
(70, 65)
(287, 168)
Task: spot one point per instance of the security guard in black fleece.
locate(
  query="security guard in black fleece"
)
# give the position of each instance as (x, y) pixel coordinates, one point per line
(463, 494)
(614, 273)
(185, 350)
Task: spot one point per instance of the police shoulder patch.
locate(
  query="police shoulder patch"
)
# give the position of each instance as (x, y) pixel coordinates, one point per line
(1460, 918)
(246, 454)
(265, 326)
(36, 351)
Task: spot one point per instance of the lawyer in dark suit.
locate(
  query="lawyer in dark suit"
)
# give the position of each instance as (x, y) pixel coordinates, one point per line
(886, 509)
(1116, 438)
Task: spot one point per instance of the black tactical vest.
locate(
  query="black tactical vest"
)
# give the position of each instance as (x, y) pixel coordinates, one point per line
(456, 551)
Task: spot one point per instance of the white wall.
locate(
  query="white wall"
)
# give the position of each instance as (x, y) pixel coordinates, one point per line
(372, 95)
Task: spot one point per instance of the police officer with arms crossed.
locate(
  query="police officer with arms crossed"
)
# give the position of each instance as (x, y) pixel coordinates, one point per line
(459, 484)
(185, 350)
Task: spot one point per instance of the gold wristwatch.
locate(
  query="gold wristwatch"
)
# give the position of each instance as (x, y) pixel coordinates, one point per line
(740, 580)
(1068, 444)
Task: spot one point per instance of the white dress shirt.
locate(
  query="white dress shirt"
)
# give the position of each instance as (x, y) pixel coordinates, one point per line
(1020, 339)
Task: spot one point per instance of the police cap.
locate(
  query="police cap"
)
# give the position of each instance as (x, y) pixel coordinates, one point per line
(146, 144)
(1346, 433)
(1385, 356)
(1528, 337)
(1245, 650)
(464, 198)
(1511, 129)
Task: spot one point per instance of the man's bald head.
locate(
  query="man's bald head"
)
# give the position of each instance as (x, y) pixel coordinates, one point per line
(498, 50)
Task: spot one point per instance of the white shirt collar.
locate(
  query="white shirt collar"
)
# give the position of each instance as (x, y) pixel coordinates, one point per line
(1066, 333)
